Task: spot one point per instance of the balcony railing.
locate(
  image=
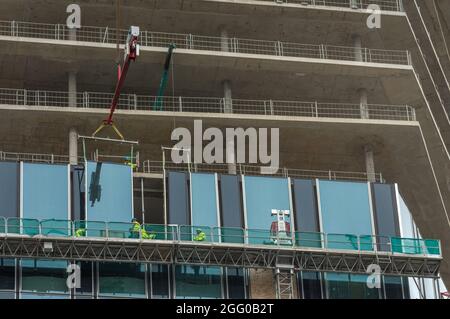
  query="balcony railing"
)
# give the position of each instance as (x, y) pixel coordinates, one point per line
(217, 235)
(157, 167)
(205, 43)
(385, 5)
(209, 105)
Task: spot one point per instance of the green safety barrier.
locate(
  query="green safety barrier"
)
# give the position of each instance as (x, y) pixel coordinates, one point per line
(54, 227)
(230, 235)
(366, 242)
(342, 241)
(23, 226)
(122, 230)
(2, 225)
(84, 228)
(411, 246)
(159, 232)
(308, 239)
(81, 228)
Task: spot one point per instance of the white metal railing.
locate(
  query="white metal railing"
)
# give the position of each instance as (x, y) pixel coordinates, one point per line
(157, 167)
(386, 5)
(208, 105)
(208, 43)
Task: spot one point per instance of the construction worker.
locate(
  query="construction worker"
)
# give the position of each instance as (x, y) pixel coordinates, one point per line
(136, 228)
(80, 232)
(129, 162)
(201, 236)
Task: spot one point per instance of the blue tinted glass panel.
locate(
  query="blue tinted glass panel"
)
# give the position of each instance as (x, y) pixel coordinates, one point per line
(45, 191)
(193, 282)
(109, 192)
(306, 216)
(178, 199)
(345, 209)
(122, 280)
(263, 194)
(385, 213)
(204, 200)
(9, 190)
(231, 201)
(48, 276)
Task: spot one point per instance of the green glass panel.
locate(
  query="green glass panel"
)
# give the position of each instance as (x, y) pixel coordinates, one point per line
(44, 276)
(89, 228)
(161, 232)
(232, 235)
(121, 230)
(342, 241)
(432, 246)
(306, 239)
(194, 282)
(53, 227)
(366, 243)
(406, 245)
(197, 233)
(2, 225)
(122, 280)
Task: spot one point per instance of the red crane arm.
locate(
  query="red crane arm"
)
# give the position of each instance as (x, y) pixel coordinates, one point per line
(130, 56)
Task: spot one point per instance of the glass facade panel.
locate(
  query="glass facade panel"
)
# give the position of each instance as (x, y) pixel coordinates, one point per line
(193, 282)
(204, 200)
(231, 201)
(262, 194)
(232, 218)
(44, 276)
(7, 274)
(9, 189)
(345, 210)
(393, 287)
(310, 285)
(385, 213)
(178, 199)
(160, 281)
(305, 206)
(109, 192)
(236, 283)
(122, 280)
(78, 193)
(45, 191)
(349, 286)
(87, 279)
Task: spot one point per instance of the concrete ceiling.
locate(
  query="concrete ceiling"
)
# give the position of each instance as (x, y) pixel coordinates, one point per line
(240, 19)
(44, 65)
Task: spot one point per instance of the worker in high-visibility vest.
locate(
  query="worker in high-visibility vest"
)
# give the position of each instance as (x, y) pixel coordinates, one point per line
(136, 228)
(80, 232)
(201, 236)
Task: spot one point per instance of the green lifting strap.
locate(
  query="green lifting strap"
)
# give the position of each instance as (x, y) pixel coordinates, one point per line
(158, 106)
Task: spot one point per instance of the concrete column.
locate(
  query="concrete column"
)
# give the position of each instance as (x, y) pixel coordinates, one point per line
(370, 166)
(225, 41)
(228, 100)
(357, 44)
(73, 34)
(231, 158)
(73, 147)
(72, 88)
(363, 105)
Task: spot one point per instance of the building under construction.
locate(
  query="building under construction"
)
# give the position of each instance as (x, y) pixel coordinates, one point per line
(359, 207)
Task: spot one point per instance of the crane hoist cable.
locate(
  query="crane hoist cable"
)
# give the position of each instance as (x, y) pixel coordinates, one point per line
(158, 105)
(130, 54)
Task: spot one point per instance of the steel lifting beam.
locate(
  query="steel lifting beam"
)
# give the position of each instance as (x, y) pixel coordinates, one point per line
(214, 254)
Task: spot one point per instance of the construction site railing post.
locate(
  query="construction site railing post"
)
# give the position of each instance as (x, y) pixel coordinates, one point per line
(207, 43)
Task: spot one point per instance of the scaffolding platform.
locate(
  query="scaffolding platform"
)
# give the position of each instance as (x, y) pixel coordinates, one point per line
(215, 254)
